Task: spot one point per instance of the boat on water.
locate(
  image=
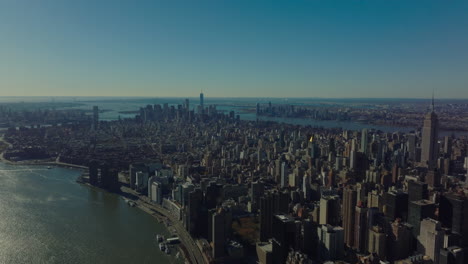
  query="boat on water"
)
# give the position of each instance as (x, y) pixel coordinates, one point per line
(129, 202)
(162, 247)
(159, 238)
(49, 167)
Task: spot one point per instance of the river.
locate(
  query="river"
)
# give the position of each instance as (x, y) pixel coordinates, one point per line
(46, 217)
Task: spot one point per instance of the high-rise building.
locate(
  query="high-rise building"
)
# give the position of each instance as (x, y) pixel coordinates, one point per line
(447, 146)
(201, 100)
(284, 237)
(396, 204)
(417, 211)
(271, 204)
(429, 146)
(219, 233)
(452, 255)
(433, 178)
(349, 205)
(453, 213)
(377, 242)
(431, 238)
(310, 237)
(364, 141)
(411, 143)
(360, 227)
(257, 190)
(330, 210)
(284, 177)
(400, 241)
(194, 207)
(331, 242)
(417, 191)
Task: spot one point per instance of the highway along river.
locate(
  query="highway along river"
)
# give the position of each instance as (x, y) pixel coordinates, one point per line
(46, 217)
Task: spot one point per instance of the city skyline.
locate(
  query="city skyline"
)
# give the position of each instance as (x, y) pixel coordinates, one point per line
(365, 49)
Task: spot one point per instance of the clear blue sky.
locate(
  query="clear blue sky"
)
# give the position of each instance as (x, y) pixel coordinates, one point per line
(352, 48)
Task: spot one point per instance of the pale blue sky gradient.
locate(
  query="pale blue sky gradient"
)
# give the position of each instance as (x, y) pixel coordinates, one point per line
(246, 48)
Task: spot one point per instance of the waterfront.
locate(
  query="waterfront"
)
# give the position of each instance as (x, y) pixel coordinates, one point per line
(114, 109)
(46, 217)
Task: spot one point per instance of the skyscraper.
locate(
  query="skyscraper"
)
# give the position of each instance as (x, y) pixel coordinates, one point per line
(330, 242)
(218, 232)
(429, 139)
(349, 205)
(283, 238)
(364, 141)
(271, 204)
(201, 99)
(360, 228)
(330, 210)
(431, 238)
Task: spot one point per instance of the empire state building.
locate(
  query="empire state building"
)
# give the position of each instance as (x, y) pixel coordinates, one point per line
(429, 139)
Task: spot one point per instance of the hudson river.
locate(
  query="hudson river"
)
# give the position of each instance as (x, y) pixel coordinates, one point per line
(46, 217)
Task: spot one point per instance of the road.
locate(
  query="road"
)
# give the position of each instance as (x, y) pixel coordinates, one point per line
(194, 251)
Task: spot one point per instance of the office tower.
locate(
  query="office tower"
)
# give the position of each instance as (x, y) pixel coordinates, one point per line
(256, 192)
(284, 175)
(411, 143)
(187, 104)
(330, 210)
(95, 117)
(452, 255)
(330, 179)
(218, 233)
(431, 238)
(349, 205)
(429, 139)
(194, 207)
(331, 241)
(201, 100)
(306, 187)
(310, 238)
(271, 204)
(284, 237)
(417, 211)
(264, 252)
(377, 242)
(213, 195)
(433, 178)
(315, 151)
(258, 109)
(400, 240)
(364, 141)
(277, 171)
(360, 228)
(375, 200)
(352, 159)
(453, 212)
(417, 191)
(396, 205)
(133, 169)
(447, 146)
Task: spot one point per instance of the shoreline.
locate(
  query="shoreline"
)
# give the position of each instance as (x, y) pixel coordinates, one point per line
(160, 218)
(139, 203)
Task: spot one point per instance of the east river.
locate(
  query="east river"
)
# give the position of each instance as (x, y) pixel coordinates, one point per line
(46, 217)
